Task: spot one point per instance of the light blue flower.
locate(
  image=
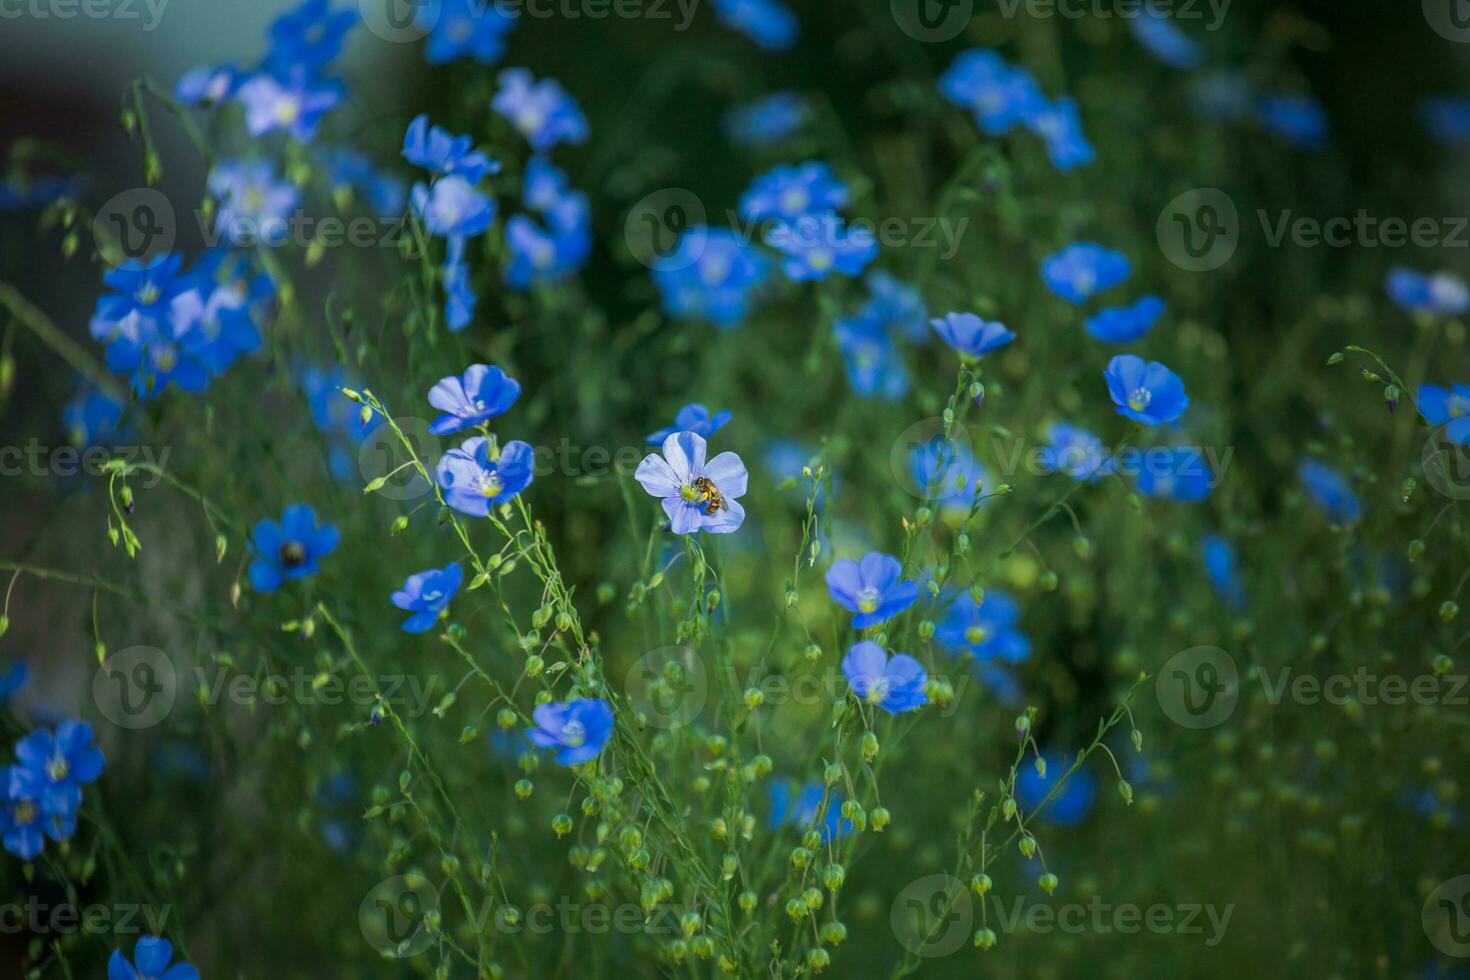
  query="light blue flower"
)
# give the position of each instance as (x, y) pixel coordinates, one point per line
(1145, 391)
(426, 595)
(894, 684)
(1125, 324)
(696, 495)
(695, 418)
(872, 588)
(970, 335)
(578, 730)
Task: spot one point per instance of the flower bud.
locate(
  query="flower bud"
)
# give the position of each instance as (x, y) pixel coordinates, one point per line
(880, 818)
(1048, 883)
(561, 824)
(833, 877)
(1028, 846)
(523, 789)
(985, 939)
(754, 698)
(833, 933)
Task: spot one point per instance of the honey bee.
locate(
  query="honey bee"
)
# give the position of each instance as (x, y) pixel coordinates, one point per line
(711, 493)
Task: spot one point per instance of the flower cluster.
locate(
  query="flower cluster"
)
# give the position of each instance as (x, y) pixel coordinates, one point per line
(43, 789)
(165, 326)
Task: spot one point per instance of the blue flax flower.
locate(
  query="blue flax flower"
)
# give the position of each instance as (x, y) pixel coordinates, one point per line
(254, 206)
(1070, 804)
(987, 629)
(1059, 125)
(434, 149)
(790, 191)
(769, 23)
(1448, 407)
(697, 495)
(695, 418)
(970, 335)
(766, 122)
(875, 367)
(474, 478)
(894, 684)
(54, 766)
(710, 275)
(801, 809)
(1177, 473)
(206, 85)
(293, 100)
(91, 417)
(871, 588)
(23, 826)
(481, 393)
(291, 549)
(1223, 569)
(1446, 119)
(151, 959)
(816, 245)
(12, 679)
(549, 253)
(1440, 294)
(946, 472)
(1298, 119)
(1075, 452)
(1145, 391)
(897, 305)
(1125, 324)
(310, 35)
(426, 595)
(1156, 31)
(459, 293)
(1083, 269)
(999, 95)
(452, 208)
(542, 111)
(1329, 490)
(459, 29)
(577, 729)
